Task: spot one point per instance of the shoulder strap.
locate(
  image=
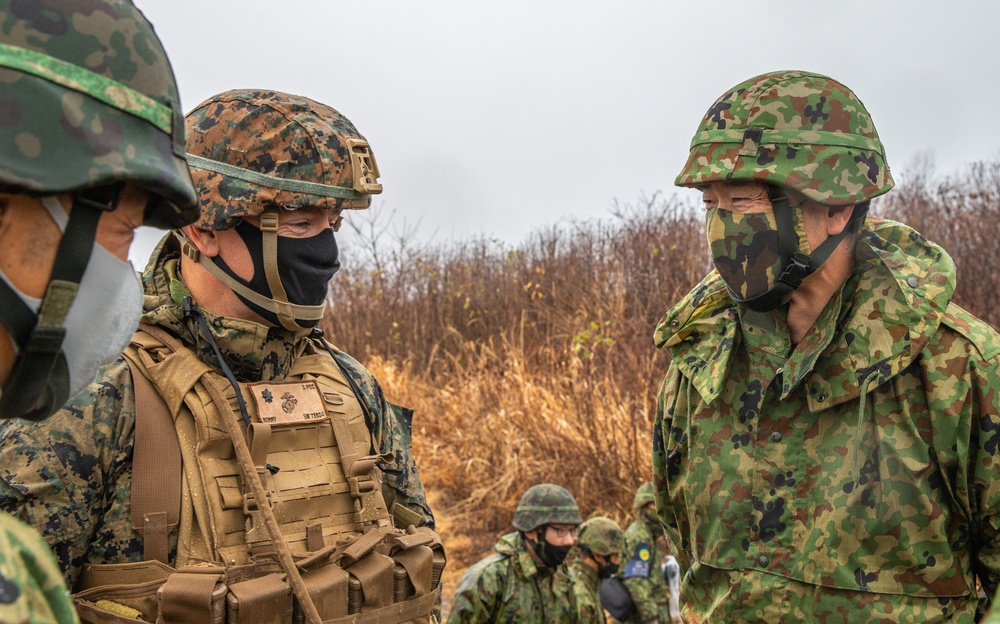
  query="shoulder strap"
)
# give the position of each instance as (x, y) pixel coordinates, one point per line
(156, 466)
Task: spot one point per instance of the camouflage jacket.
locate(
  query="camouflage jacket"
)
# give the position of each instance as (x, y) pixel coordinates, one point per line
(509, 587)
(854, 474)
(32, 588)
(70, 476)
(586, 586)
(641, 572)
(993, 617)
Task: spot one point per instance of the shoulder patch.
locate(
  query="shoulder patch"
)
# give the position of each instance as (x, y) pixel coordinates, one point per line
(639, 563)
(984, 338)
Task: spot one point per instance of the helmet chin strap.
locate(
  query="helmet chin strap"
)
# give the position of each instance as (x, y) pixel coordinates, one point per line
(286, 311)
(27, 392)
(795, 265)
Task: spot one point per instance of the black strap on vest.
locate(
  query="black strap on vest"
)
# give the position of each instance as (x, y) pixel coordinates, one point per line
(29, 391)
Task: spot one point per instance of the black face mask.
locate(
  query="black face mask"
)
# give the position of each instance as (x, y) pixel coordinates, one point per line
(551, 556)
(606, 570)
(305, 267)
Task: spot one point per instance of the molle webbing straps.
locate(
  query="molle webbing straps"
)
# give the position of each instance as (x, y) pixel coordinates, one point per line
(191, 597)
(251, 478)
(156, 467)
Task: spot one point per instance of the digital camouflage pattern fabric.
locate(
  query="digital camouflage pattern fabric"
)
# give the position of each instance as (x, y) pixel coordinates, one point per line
(601, 536)
(71, 476)
(644, 495)
(89, 99)
(545, 503)
(247, 128)
(642, 559)
(31, 585)
(586, 585)
(851, 476)
(793, 129)
(508, 586)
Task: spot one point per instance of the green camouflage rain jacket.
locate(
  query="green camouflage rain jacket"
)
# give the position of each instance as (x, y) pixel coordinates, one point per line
(586, 586)
(993, 617)
(509, 587)
(32, 588)
(854, 478)
(641, 572)
(70, 476)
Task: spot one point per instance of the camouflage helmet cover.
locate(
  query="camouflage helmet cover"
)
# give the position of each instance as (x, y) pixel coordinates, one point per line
(273, 138)
(601, 536)
(643, 496)
(88, 100)
(546, 503)
(793, 129)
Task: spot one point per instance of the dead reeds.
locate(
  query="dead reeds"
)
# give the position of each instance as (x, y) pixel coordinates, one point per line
(535, 363)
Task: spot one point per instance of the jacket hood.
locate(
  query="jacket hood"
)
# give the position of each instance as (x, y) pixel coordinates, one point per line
(880, 320)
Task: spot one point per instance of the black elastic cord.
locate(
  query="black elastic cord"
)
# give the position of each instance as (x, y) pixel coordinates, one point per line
(190, 309)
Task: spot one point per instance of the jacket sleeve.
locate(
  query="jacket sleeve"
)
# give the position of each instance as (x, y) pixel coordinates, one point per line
(53, 474)
(32, 587)
(391, 426)
(984, 461)
(636, 574)
(477, 595)
(667, 458)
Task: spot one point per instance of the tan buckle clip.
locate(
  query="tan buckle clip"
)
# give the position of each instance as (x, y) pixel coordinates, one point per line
(269, 222)
(364, 167)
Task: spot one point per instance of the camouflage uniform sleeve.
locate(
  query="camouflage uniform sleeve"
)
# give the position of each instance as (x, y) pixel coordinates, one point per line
(637, 580)
(53, 473)
(32, 588)
(662, 464)
(391, 426)
(479, 592)
(985, 459)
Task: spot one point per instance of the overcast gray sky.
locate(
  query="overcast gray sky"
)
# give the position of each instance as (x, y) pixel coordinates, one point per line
(498, 118)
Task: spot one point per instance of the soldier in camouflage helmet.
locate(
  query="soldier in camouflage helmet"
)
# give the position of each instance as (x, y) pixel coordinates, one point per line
(526, 579)
(599, 543)
(643, 555)
(91, 146)
(231, 304)
(824, 393)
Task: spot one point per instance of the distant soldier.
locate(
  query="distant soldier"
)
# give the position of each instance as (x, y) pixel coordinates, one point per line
(91, 146)
(598, 544)
(526, 580)
(643, 574)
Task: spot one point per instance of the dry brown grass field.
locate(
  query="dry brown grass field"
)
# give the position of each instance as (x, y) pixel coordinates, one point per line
(535, 363)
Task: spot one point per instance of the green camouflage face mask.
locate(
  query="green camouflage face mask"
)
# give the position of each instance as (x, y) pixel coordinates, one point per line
(747, 253)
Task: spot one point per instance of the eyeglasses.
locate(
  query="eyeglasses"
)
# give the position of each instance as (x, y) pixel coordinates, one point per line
(562, 531)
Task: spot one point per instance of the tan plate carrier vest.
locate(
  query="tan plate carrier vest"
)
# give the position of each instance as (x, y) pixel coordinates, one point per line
(283, 523)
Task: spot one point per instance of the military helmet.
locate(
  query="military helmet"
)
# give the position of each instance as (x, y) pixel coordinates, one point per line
(254, 150)
(89, 101)
(601, 536)
(643, 496)
(546, 503)
(791, 129)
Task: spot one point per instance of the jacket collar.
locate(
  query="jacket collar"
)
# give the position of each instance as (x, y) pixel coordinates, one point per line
(882, 317)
